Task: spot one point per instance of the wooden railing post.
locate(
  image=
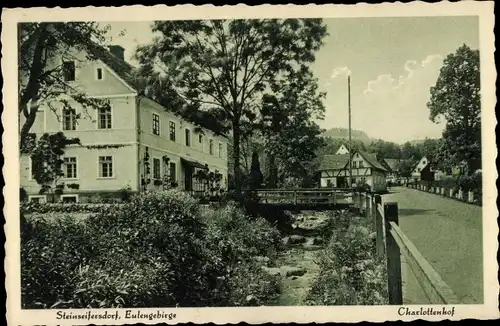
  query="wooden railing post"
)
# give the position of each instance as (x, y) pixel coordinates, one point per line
(379, 228)
(367, 205)
(295, 197)
(394, 283)
(373, 208)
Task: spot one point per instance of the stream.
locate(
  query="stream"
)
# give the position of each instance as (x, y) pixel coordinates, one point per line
(297, 263)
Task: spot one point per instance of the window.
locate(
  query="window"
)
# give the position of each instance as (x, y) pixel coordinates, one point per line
(418, 169)
(69, 119)
(105, 166)
(360, 164)
(104, 118)
(188, 137)
(156, 124)
(171, 127)
(37, 199)
(220, 150)
(70, 168)
(156, 169)
(98, 73)
(69, 71)
(200, 138)
(66, 199)
(173, 176)
(423, 162)
(211, 147)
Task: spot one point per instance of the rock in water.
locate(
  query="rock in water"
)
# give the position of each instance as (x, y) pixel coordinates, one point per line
(318, 241)
(289, 271)
(262, 259)
(296, 239)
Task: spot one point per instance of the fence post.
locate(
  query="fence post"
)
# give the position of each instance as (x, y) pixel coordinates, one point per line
(379, 228)
(471, 197)
(374, 212)
(295, 197)
(451, 193)
(367, 205)
(394, 283)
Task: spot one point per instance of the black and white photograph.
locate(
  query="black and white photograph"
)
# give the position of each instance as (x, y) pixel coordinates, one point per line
(249, 163)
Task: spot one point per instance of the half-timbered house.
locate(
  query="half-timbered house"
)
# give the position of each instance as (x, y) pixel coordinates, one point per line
(366, 169)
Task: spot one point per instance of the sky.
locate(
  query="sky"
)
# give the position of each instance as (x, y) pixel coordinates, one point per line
(392, 62)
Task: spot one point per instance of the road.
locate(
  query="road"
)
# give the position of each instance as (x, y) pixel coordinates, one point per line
(448, 233)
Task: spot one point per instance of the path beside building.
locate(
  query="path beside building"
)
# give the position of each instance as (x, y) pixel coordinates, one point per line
(449, 234)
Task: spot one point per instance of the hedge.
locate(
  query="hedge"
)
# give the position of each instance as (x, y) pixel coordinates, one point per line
(159, 249)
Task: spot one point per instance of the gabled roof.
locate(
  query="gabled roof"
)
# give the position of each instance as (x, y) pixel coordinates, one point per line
(392, 163)
(372, 159)
(127, 73)
(334, 162)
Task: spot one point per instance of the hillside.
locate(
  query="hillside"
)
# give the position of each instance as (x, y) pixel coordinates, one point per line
(344, 133)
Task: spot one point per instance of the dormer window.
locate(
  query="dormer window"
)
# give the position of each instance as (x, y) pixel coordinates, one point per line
(69, 71)
(99, 74)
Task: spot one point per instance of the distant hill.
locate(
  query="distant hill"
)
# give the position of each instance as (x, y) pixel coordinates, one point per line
(344, 133)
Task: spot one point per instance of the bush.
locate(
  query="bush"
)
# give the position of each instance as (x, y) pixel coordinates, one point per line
(159, 249)
(51, 250)
(350, 274)
(125, 193)
(235, 239)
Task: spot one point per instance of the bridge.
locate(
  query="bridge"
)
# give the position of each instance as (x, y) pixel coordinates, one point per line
(306, 198)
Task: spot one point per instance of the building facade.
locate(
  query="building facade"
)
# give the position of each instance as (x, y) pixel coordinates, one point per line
(133, 142)
(366, 169)
(342, 150)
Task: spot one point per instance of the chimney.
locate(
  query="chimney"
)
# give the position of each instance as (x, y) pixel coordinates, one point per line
(117, 51)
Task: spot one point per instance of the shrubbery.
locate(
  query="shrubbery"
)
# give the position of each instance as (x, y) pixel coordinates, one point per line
(159, 249)
(350, 274)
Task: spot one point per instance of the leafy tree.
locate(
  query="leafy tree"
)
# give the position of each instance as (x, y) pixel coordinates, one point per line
(385, 149)
(456, 98)
(223, 66)
(405, 167)
(291, 137)
(42, 49)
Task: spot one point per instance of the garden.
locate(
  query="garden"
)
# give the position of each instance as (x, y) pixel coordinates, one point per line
(165, 249)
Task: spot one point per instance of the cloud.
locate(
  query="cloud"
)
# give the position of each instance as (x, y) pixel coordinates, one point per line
(395, 108)
(340, 71)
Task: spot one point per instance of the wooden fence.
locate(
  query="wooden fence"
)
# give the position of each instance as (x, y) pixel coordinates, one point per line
(391, 242)
(460, 195)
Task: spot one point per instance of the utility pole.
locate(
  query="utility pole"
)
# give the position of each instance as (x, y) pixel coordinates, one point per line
(350, 146)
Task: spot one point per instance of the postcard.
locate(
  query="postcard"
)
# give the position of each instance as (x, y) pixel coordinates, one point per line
(258, 164)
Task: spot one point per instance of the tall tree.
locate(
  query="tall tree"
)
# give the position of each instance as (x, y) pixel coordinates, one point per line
(291, 136)
(223, 66)
(255, 177)
(42, 47)
(456, 98)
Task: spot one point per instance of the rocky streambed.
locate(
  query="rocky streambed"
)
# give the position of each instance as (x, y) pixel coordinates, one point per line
(297, 263)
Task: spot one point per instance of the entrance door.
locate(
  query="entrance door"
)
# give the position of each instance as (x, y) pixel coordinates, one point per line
(341, 182)
(188, 177)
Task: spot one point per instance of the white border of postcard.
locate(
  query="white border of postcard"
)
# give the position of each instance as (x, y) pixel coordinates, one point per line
(484, 10)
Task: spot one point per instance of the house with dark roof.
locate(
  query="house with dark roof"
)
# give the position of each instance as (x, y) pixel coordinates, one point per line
(366, 169)
(425, 170)
(134, 142)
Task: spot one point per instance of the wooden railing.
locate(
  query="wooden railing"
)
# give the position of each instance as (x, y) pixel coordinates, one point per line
(306, 196)
(391, 242)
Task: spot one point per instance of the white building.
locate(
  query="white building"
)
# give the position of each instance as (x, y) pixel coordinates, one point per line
(342, 150)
